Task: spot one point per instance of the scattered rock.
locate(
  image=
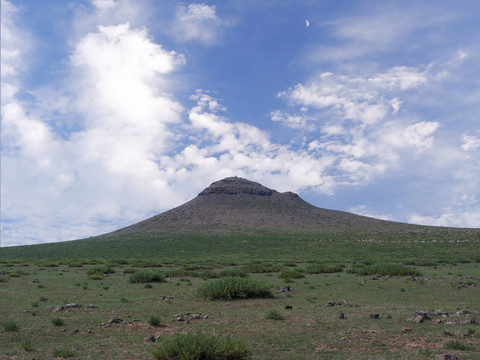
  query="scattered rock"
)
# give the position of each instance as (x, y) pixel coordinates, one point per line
(74, 331)
(341, 315)
(188, 317)
(163, 297)
(150, 338)
(286, 289)
(389, 317)
(91, 306)
(342, 339)
(437, 321)
(447, 333)
(113, 321)
(374, 316)
(466, 336)
(330, 303)
(288, 307)
(406, 330)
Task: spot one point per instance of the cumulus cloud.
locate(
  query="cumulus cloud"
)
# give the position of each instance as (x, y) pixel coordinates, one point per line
(197, 22)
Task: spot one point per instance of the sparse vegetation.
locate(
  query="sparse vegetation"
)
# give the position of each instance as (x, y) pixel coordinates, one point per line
(201, 346)
(323, 268)
(27, 345)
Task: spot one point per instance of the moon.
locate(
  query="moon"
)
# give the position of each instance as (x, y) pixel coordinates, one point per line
(307, 23)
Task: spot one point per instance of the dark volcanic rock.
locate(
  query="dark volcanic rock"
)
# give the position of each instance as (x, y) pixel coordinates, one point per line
(236, 185)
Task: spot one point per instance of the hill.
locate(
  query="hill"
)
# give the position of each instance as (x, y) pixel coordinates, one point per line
(243, 206)
(238, 218)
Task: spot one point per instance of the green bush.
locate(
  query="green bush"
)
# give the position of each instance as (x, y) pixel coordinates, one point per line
(323, 268)
(10, 326)
(274, 315)
(230, 288)
(147, 276)
(384, 269)
(100, 270)
(291, 274)
(192, 346)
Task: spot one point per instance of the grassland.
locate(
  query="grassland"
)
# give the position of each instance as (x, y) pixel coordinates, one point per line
(37, 283)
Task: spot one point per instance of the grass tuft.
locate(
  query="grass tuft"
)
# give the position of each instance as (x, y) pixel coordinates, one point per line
(274, 315)
(10, 326)
(154, 321)
(62, 352)
(57, 322)
(230, 288)
(201, 346)
(27, 345)
(323, 268)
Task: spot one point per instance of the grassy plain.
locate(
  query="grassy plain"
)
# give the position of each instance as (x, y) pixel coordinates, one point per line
(36, 281)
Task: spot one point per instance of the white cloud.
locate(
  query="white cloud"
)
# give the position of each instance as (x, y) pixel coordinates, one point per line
(419, 134)
(470, 143)
(450, 217)
(103, 5)
(197, 22)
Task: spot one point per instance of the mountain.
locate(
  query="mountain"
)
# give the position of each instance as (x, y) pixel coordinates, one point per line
(242, 206)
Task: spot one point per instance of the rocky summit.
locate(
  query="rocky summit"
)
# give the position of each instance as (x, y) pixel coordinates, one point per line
(237, 205)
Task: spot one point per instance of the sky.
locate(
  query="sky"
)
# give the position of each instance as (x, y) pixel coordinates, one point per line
(113, 111)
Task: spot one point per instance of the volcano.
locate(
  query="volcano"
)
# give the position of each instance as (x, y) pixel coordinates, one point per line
(242, 206)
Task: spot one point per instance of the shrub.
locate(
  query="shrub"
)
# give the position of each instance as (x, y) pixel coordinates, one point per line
(230, 288)
(100, 270)
(274, 315)
(233, 272)
(262, 268)
(124, 300)
(10, 326)
(201, 346)
(291, 274)
(154, 321)
(455, 345)
(323, 268)
(146, 276)
(35, 304)
(384, 269)
(57, 322)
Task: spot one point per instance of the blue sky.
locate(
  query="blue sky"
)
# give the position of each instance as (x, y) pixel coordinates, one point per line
(116, 110)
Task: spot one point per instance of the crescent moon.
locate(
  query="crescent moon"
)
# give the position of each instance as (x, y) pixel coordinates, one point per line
(307, 23)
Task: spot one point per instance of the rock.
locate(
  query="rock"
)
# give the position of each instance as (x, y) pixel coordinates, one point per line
(466, 336)
(437, 321)
(113, 321)
(421, 316)
(330, 303)
(389, 317)
(91, 306)
(447, 333)
(73, 306)
(342, 339)
(374, 316)
(341, 316)
(288, 307)
(450, 357)
(178, 317)
(286, 289)
(150, 338)
(406, 330)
